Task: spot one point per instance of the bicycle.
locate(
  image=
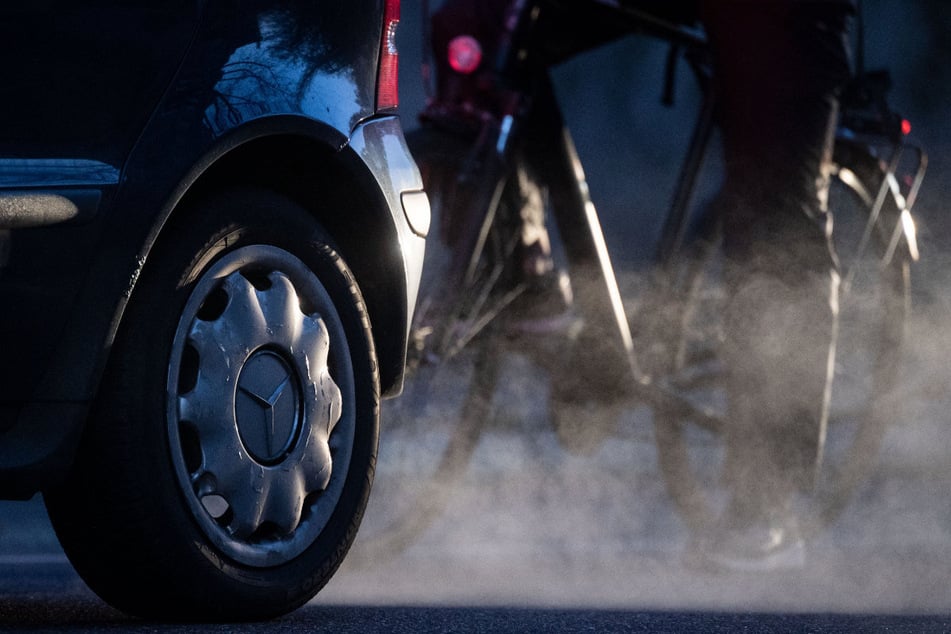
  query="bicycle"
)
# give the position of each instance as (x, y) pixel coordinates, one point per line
(484, 156)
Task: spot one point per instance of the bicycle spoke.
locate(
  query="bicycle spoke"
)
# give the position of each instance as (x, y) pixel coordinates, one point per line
(486, 318)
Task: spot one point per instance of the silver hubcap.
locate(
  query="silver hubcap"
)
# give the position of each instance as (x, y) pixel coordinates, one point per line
(268, 406)
(260, 425)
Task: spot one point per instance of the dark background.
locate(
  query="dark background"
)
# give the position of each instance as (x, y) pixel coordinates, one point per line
(631, 145)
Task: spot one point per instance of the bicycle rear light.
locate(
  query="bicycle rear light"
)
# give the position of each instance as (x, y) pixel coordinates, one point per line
(387, 82)
(905, 127)
(465, 54)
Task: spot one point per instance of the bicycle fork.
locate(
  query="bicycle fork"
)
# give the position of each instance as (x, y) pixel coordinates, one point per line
(605, 338)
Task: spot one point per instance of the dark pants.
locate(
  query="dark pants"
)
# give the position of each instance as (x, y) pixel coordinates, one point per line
(779, 66)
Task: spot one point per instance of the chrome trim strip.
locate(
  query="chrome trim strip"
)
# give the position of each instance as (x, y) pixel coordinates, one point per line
(66, 172)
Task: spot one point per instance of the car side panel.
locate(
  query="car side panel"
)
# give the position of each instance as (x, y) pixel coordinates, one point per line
(80, 81)
(238, 69)
(81, 78)
(240, 80)
(243, 77)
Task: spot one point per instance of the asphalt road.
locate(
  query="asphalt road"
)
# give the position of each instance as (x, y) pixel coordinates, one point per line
(76, 611)
(45, 595)
(42, 596)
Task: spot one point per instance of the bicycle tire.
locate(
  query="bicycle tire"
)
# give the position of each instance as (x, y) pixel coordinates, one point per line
(430, 432)
(691, 451)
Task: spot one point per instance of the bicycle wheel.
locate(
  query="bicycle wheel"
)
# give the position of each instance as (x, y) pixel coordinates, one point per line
(690, 418)
(430, 432)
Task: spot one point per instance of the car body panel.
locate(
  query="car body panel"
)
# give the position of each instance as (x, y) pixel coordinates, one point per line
(268, 98)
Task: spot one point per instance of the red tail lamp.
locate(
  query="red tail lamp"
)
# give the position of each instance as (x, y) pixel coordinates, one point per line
(387, 87)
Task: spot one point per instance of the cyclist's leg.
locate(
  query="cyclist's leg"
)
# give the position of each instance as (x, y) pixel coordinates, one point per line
(778, 67)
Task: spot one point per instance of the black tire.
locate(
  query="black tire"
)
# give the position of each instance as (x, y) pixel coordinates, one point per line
(689, 427)
(229, 455)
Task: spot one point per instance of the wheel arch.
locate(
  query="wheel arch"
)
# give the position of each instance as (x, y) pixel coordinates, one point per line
(342, 194)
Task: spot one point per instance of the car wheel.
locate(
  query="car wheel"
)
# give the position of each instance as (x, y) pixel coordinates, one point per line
(229, 455)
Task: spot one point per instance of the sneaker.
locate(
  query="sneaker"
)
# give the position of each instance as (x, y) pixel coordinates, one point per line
(767, 544)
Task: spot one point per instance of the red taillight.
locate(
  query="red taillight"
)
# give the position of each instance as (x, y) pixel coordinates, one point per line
(387, 83)
(905, 127)
(465, 54)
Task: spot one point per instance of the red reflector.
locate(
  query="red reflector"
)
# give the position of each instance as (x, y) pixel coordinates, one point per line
(387, 88)
(465, 54)
(905, 126)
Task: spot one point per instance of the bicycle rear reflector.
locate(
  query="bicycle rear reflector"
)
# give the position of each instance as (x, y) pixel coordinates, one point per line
(465, 54)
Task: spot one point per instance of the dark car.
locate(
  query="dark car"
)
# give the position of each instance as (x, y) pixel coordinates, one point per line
(211, 236)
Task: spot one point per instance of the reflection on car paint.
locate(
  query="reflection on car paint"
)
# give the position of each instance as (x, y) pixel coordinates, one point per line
(265, 77)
